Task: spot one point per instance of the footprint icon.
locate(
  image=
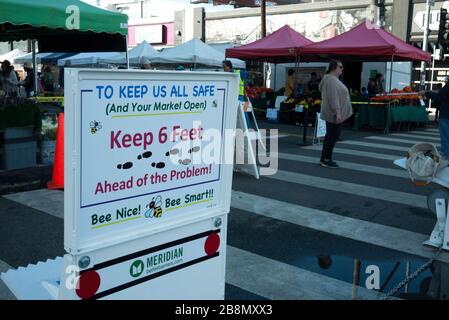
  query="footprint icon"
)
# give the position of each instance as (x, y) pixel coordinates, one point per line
(185, 162)
(144, 155)
(172, 151)
(158, 165)
(125, 166)
(194, 149)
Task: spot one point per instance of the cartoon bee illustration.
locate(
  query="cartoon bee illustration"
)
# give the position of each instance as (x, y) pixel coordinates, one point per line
(95, 126)
(154, 208)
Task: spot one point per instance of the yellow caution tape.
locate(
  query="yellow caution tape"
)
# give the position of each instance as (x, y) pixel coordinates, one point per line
(369, 103)
(49, 99)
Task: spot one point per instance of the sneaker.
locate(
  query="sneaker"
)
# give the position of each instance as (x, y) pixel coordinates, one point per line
(329, 161)
(329, 164)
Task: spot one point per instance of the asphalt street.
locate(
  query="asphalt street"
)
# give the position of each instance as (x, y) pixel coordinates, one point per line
(297, 234)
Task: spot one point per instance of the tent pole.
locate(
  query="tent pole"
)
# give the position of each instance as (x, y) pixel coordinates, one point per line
(126, 52)
(35, 85)
(298, 60)
(274, 80)
(391, 73)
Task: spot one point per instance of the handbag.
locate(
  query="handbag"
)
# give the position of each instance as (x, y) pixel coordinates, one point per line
(423, 161)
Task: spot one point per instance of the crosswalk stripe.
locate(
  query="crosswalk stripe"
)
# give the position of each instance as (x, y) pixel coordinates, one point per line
(416, 137)
(348, 165)
(396, 138)
(392, 139)
(352, 188)
(385, 236)
(422, 133)
(352, 152)
(5, 293)
(375, 145)
(49, 201)
(285, 282)
(433, 130)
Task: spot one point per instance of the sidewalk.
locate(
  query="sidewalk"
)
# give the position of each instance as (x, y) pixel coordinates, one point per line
(12, 181)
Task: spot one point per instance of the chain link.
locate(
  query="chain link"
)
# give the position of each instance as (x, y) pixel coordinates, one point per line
(411, 277)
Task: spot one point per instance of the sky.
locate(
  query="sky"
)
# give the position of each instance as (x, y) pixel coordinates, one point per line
(160, 10)
(177, 4)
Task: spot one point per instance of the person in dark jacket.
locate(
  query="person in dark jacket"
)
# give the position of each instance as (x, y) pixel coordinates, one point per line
(442, 96)
(28, 83)
(375, 86)
(314, 83)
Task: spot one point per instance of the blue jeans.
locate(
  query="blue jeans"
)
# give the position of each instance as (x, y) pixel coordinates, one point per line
(444, 136)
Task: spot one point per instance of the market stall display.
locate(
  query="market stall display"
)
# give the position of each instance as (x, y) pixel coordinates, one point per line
(364, 43)
(261, 98)
(20, 124)
(395, 108)
(281, 46)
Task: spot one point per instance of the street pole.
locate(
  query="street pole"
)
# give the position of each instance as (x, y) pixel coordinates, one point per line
(263, 14)
(429, 3)
(263, 32)
(432, 73)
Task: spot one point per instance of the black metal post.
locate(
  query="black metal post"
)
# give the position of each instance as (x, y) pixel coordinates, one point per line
(305, 125)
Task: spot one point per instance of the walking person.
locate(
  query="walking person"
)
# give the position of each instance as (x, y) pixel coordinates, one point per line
(335, 109)
(442, 96)
(9, 79)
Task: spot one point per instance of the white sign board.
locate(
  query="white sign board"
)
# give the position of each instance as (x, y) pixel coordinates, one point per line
(180, 263)
(144, 152)
(149, 33)
(321, 126)
(420, 20)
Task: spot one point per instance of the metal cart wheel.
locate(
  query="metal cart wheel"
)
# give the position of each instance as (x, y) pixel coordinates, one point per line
(437, 194)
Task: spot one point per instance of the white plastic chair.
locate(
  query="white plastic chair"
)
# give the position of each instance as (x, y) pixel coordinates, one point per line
(277, 102)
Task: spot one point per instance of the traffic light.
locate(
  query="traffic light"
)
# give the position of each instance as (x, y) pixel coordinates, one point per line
(442, 48)
(443, 31)
(382, 10)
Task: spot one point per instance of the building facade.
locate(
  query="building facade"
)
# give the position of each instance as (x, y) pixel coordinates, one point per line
(320, 20)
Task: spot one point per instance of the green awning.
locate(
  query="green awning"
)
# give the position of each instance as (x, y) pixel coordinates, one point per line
(51, 21)
(27, 19)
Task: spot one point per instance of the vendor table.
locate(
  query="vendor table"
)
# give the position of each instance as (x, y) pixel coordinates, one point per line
(49, 104)
(384, 115)
(260, 106)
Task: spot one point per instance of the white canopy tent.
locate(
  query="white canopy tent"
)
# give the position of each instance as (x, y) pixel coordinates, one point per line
(136, 54)
(195, 51)
(29, 57)
(11, 55)
(86, 58)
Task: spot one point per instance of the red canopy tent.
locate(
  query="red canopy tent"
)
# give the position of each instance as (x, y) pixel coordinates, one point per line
(280, 46)
(366, 42)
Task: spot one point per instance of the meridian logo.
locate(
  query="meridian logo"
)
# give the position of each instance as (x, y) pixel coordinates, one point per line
(136, 268)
